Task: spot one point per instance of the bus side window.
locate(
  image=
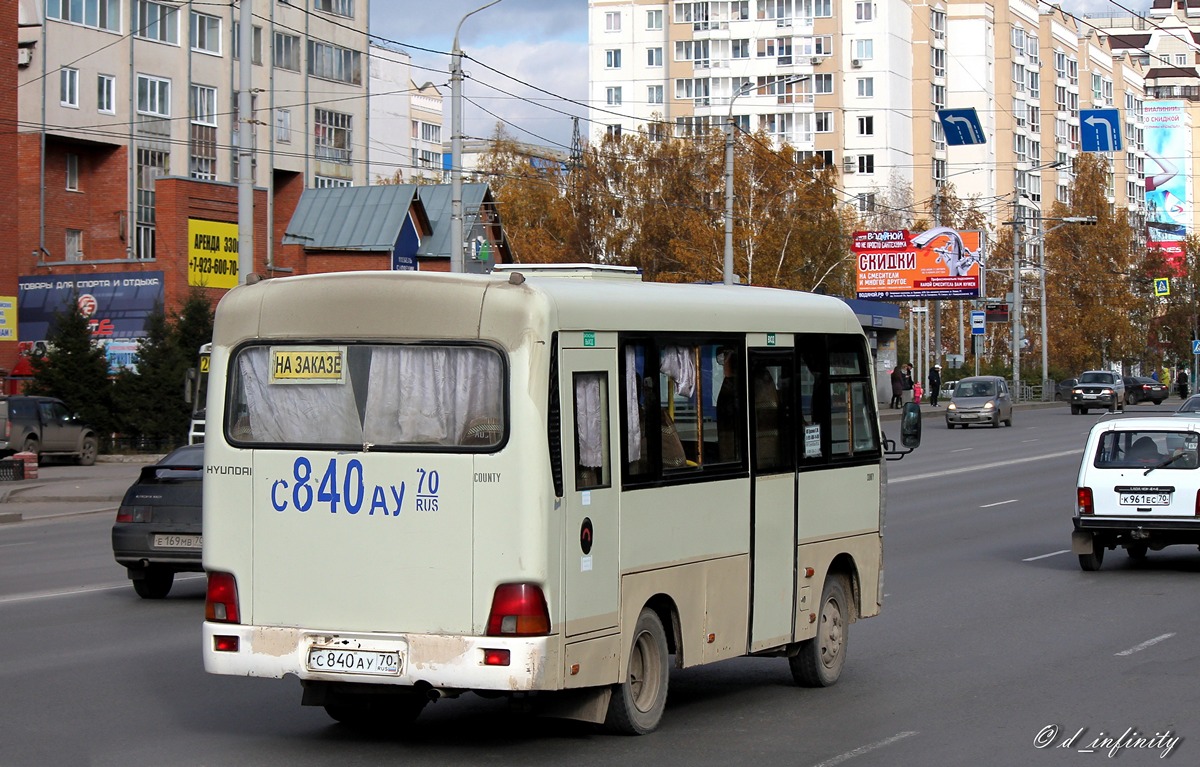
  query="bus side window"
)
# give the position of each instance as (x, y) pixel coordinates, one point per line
(591, 430)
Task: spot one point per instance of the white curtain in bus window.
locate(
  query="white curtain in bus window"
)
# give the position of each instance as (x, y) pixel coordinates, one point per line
(633, 411)
(287, 412)
(591, 433)
(441, 395)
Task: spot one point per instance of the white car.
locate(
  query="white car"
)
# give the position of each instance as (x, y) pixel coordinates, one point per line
(1138, 487)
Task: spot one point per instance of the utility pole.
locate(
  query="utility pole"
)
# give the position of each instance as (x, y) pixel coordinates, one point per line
(1016, 318)
(245, 143)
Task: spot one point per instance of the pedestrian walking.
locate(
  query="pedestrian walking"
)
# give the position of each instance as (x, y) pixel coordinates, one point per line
(897, 388)
(918, 392)
(907, 385)
(1181, 381)
(935, 384)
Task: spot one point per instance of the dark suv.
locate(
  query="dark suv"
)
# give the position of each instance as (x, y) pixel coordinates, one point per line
(1098, 389)
(44, 426)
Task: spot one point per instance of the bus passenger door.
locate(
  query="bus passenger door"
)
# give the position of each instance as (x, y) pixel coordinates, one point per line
(773, 510)
(589, 400)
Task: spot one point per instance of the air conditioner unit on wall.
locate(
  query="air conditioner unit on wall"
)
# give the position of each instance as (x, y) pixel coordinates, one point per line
(856, 64)
(849, 163)
(24, 57)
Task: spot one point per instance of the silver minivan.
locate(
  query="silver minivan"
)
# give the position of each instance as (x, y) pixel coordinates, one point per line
(980, 399)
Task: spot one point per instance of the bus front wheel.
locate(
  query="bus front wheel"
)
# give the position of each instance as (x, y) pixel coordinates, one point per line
(820, 660)
(637, 704)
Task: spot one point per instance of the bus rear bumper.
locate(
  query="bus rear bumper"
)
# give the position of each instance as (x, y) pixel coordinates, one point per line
(438, 660)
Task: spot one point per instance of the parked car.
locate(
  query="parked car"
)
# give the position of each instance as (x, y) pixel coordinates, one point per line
(947, 391)
(45, 426)
(1062, 390)
(1137, 488)
(980, 399)
(1140, 389)
(1096, 389)
(157, 532)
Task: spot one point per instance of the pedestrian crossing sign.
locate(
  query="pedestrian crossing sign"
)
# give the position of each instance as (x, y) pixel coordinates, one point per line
(1162, 286)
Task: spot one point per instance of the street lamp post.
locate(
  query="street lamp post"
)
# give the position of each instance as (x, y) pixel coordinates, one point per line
(730, 133)
(456, 212)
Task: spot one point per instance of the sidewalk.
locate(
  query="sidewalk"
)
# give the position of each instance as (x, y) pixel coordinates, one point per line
(929, 411)
(65, 489)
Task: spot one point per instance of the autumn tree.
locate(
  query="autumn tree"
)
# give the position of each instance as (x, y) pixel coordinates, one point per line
(1093, 286)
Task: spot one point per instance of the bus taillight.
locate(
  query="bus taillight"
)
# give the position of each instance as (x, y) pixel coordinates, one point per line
(221, 601)
(518, 609)
(1083, 501)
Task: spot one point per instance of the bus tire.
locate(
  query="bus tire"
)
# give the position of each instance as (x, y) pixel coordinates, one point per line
(820, 660)
(636, 705)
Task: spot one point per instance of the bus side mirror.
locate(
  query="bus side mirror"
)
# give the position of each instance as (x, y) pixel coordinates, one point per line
(910, 425)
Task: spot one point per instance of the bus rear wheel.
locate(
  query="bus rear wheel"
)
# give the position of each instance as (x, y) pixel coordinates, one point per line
(637, 704)
(820, 660)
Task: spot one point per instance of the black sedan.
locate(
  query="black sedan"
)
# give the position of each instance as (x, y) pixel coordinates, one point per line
(1140, 389)
(157, 532)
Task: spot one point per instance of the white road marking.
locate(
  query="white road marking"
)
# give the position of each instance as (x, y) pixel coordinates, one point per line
(962, 450)
(1036, 439)
(864, 750)
(34, 596)
(1144, 645)
(979, 466)
(1047, 556)
(998, 503)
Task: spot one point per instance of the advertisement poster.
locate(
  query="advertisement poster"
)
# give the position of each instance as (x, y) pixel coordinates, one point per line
(1168, 184)
(116, 306)
(940, 263)
(212, 254)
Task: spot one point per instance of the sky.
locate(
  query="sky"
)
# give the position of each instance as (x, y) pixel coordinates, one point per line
(542, 43)
(539, 42)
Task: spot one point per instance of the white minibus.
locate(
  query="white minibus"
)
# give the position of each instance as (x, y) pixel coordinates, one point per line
(549, 484)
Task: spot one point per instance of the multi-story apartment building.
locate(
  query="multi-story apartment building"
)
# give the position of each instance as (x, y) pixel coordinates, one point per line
(859, 83)
(830, 79)
(128, 131)
(405, 120)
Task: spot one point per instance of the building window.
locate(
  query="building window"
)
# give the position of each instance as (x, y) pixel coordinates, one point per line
(823, 122)
(1180, 59)
(866, 202)
(864, 50)
(287, 52)
(326, 182)
(72, 172)
(336, 7)
(654, 57)
(864, 10)
(205, 33)
(97, 14)
(430, 133)
(613, 131)
(68, 80)
(332, 136)
(866, 126)
(739, 10)
(866, 87)
(331, 62)
(654, 20)
(153, 96)
(255, 42)
(739, 49)
(152, 164)
(612, 58)
(202, 160)
(283, 125)
(654, 94)
(822, 9)
(866, 163)
(106, 94)
(614, 96)
(822, 84)
(157, 21)
(612, 22)
(74, 245)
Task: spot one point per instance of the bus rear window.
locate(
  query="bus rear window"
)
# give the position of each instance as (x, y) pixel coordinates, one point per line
(401, 396)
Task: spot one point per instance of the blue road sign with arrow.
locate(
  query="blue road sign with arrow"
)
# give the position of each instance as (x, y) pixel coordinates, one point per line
(962, 126)
(1100, 130)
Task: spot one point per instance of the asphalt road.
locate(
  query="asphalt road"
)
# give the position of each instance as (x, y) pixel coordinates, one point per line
(993, 648)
